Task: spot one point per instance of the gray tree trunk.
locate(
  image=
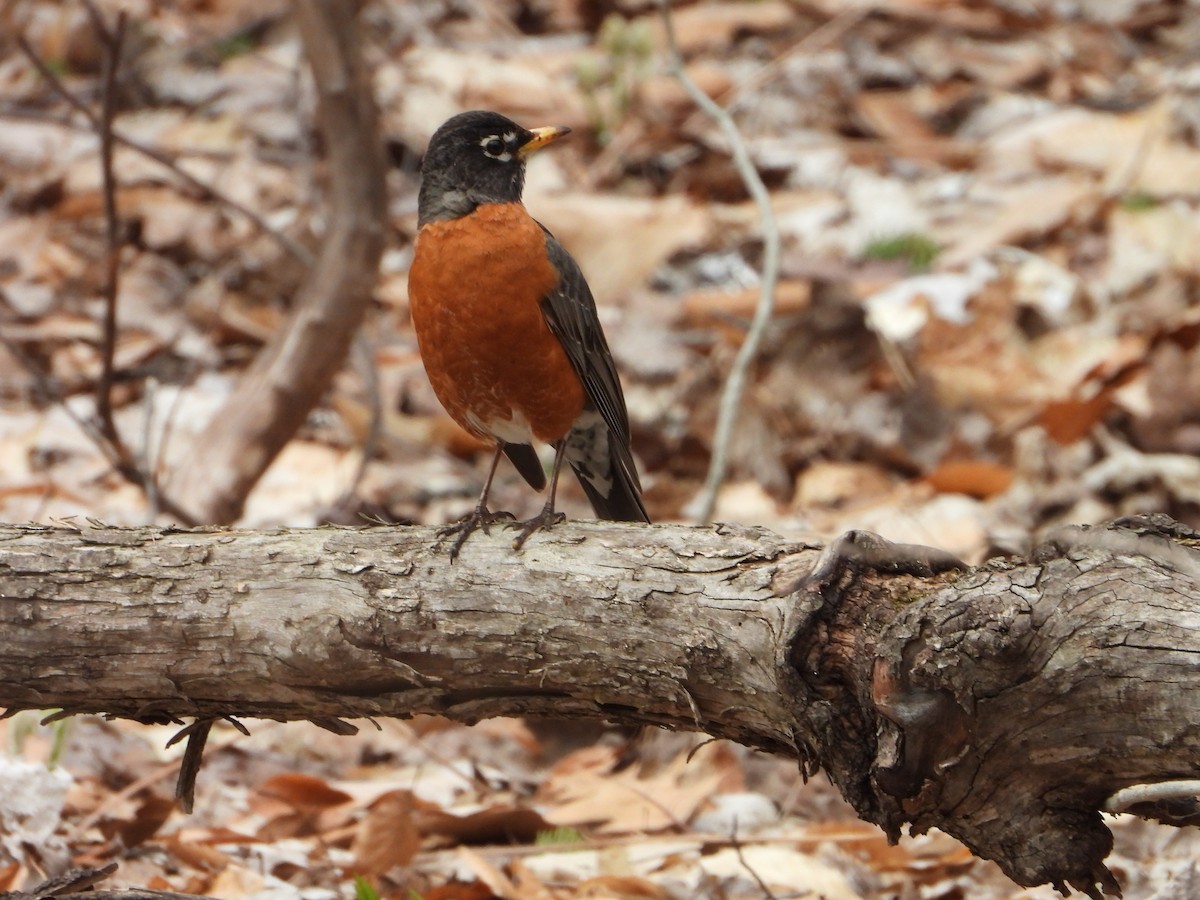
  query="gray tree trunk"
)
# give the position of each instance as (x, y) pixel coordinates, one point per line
(1002, 704)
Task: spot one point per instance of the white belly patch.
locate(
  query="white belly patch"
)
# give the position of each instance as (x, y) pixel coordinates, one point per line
(513, 430)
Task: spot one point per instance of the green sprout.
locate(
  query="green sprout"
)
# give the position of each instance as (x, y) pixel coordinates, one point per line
(918, 250)
(235, 45)
(364, 890)
(554, 836)
(609, 78)
(1138, 201)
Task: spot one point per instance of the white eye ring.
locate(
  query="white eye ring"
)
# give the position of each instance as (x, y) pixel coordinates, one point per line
(496, 147)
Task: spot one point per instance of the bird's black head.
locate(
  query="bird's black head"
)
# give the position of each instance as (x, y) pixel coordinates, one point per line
(477, 157)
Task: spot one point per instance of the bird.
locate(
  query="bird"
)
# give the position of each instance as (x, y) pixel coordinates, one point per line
(507, 327)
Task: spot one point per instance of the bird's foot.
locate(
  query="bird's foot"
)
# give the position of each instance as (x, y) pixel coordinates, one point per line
(547, 518)
(480, 518)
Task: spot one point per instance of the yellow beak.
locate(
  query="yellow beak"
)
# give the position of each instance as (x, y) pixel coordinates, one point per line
(543, 137)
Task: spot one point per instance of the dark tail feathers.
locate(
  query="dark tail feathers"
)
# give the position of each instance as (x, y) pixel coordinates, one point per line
(623, 503)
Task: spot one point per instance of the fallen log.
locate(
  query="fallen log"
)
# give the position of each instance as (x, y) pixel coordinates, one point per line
(1004, 704)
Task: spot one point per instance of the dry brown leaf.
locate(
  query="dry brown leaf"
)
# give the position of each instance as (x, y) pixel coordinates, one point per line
(587, 760)
(621, 887)
(236, 882)
(496, 825)
(245, 317)
(707, 26)
(201, 135)
(666, 96)
(1012, 213)
(219, 835)
(984, 363)
(619, 241)
(625, 801)
(9, 875)
(456, 890)
(528, 884)
(948, 15)
(893, 115)
(434, 430)
(1066, 421)
(170, 219)
(1133, 151)
(926, 854)
(152, 813)
(1146, 243)
(834, 484)
(433, 83)
(707, 307)
(196, 884)
(79, 362)
(196, 855)
(387, 836)
(865, 841)
(841, 831)
(301, 791)
(973, 477)
(354, 413)
(54, 327)
(781, 867)
(499, 883)
(81, 205)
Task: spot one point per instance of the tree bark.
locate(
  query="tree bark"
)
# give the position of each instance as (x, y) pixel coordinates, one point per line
(1002, 704)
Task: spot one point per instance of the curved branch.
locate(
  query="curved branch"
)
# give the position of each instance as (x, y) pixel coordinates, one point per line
(764, 309)
(288, 377)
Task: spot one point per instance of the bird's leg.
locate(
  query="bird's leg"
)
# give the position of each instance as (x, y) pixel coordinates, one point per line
(480, 517)
(547, 516)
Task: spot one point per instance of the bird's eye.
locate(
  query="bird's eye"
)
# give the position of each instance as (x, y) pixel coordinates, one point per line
(494, 147)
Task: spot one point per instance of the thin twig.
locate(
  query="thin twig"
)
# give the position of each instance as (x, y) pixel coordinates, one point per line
(735, 384)
(737, 848)
(50, 389)
(365, 352)
(117, 456)
(114, 39)
(1154, 130)
(146, 459)
(206, 191)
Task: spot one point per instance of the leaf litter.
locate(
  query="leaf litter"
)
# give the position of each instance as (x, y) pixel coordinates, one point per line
(986, 328)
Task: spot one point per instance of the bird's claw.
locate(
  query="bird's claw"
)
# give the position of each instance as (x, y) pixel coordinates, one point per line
(478, 519)
(547, 518)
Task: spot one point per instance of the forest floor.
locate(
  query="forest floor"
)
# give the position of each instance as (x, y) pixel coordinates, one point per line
(987, 326)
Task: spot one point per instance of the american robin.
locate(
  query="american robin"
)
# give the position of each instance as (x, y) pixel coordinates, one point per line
(507, 326)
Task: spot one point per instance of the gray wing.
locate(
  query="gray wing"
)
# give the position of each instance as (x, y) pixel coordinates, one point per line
(609, 476)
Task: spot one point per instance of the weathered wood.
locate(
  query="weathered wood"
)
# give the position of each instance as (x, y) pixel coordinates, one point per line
(1002, 704)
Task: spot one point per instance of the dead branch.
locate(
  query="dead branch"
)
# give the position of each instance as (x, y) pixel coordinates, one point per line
(289, 376)
(114, 41)
(1003, 704)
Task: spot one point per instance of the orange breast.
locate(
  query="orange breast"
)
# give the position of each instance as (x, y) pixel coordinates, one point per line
(475, 290)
